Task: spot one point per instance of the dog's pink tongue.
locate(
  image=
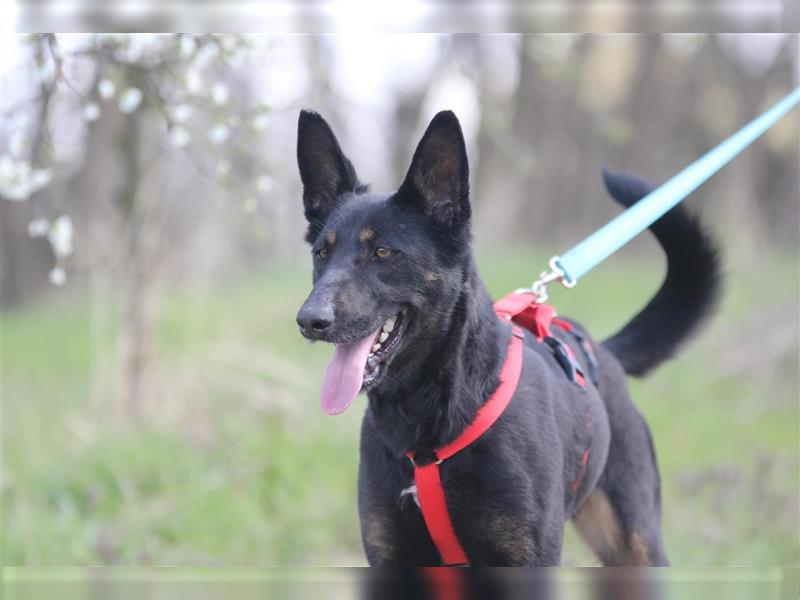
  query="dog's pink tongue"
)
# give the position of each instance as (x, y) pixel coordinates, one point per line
(344, 375)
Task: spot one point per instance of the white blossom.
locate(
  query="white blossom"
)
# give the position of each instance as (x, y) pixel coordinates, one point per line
(264, 183)
(60, 236)
(223, 168)
(57, 276)
(220, 94)
(181, 112)
(229, 42)
(194, 81)
(106, 89)
(38, 228)
(91, 112)
(188, 46)
(18, 180)
(130, 100)
(40, 178)
(128, 53)
(19, 142)
(179, 136)
(234, 120)
(219, 133)
(260, 121)
(205, 55)
(144, 48)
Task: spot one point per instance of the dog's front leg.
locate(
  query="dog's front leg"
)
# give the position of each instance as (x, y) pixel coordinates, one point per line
(385, 544)
(392, 529)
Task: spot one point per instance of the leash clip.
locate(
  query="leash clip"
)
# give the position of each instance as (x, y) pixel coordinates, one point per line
(539, 287)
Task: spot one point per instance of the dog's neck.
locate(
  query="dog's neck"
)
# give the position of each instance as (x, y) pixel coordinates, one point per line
(429, 401)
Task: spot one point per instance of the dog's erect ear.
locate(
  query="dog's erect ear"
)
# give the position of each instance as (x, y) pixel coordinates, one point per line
(438, 179)
(324, 169)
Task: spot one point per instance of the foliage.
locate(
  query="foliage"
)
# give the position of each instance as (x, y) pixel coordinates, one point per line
(178, 87)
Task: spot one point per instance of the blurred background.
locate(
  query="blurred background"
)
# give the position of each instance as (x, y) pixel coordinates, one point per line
(159, 406)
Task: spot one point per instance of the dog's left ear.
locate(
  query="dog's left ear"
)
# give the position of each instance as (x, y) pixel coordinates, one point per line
(438, 179)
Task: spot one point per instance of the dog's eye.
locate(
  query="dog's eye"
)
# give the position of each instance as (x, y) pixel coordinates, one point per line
(382, 253)
(321, 254)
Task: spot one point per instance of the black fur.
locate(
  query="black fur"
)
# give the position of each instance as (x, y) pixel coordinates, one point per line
(326, 172)
(688, 294)
(510, 493)
(438, 178)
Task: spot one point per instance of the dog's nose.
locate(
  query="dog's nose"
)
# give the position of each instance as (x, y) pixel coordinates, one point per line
(313, 322)
(313, 325)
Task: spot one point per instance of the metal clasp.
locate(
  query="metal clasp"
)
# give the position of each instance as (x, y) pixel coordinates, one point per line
(539, 287)
(438, 460)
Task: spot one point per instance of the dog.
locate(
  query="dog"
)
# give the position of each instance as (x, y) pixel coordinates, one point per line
(396, 289)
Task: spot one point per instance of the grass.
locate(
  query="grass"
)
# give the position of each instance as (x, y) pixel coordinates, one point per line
(236, 464)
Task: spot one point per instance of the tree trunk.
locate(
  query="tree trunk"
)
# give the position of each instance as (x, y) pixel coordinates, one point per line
(136, 273)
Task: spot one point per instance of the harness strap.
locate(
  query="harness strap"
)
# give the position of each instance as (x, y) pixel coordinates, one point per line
(525, 311)
(496, 404)
(588, 352)
(445, 584)
(522, 310)
(433, 505)
(427, 477)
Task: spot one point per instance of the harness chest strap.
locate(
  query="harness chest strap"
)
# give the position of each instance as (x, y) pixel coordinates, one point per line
(427, 477)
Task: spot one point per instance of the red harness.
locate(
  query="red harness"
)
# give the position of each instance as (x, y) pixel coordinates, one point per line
(522, 310)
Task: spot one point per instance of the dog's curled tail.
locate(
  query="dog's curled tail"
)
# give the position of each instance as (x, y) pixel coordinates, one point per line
(688, 294)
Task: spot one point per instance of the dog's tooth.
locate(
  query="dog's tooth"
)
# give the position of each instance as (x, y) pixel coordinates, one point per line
(376, 347)
(388, 326)
(383, 337)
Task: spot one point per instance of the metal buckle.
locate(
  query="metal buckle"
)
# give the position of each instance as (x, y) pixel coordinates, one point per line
(437, 462)
(539, 287)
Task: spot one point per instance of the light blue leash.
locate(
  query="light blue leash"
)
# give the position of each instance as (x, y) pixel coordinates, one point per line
(580, 259)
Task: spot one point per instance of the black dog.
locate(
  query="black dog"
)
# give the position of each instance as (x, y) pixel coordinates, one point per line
(396, 289)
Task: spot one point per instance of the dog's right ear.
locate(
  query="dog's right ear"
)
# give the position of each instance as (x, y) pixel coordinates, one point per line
(324, 169)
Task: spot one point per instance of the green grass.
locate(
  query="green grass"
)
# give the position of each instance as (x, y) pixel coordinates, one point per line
(234, 462)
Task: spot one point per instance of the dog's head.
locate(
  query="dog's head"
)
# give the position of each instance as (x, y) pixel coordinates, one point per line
(386, 266)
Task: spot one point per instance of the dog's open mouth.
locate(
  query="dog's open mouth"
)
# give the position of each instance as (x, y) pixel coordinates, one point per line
(385, 343)
(358, 365)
